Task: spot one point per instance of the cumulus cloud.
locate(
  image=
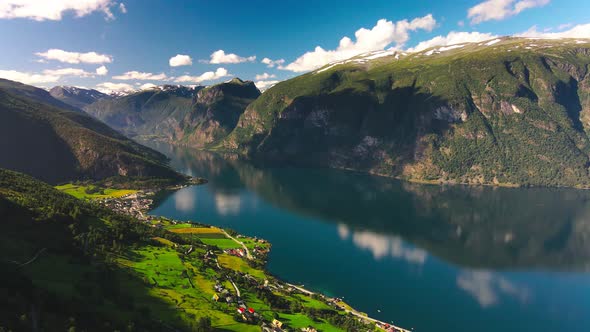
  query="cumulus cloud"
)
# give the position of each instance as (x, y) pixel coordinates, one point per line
(207, 76)
(383, 34)
(54, 9)
(264, 76)
(122, 8)
(180, 60)
(147, 86)
(75, 57)
(578, 31)
(109, 87)
(220, 56)
(265, 85)
(67, 72)
(500, 9)
(136, 75)
(272, 63)
(28, 78)
(451, 39)
(102, 70)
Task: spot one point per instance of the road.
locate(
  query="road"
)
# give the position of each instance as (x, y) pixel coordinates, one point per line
(248, 255)
(354, 312)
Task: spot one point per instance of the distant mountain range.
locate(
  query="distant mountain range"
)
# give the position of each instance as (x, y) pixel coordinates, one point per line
(509, 111)
(77, 97)
(195, 116)
(55, 142)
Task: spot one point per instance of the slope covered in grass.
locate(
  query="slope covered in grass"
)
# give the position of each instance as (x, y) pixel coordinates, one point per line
(515, 112)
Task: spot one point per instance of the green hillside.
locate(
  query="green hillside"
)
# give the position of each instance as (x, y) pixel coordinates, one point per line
(56, 144)
(508, 112)
(71, 265)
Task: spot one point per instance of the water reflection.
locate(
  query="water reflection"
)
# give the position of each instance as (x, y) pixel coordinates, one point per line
(382, 245)
(185, 200)
(476, 227)
(468, 258)
(227, 204)
(487, 287)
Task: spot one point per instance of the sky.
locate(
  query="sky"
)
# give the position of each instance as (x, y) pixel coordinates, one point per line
(114, 45)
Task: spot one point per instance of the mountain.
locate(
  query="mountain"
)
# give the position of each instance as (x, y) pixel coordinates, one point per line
(509, 111)
(155, 112)
(43, 138)
(35, 94)
(177, 114)
(77, 97)
(216, 111)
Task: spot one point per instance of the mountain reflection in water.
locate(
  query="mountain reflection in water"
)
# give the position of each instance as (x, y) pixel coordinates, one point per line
(468, 258)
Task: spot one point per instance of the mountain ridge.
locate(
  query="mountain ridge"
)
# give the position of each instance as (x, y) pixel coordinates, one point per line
(514, 112)
(56, 144)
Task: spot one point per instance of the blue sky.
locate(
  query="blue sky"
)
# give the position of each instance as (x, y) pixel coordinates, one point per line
(135, 39)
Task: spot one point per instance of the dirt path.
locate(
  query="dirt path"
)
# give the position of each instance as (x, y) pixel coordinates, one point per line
(248, 255)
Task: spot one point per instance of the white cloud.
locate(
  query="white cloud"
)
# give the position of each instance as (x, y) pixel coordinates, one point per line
(564, 26)
(264, 85)
(67, 72)
(28, 78)
(136, 75)
(272, 63)
(147, 86)
(41, 10)
(220, 56)
(109, 87)
(578, 31)
(451, 39)
(122, 8)
(383, 34)
(207, 76)
(180, 60)
(75, 57)
(501, 9)
(264, 76)
(102, 70)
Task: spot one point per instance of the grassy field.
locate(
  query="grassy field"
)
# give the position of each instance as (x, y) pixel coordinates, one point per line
(88, 191)
(238, 264)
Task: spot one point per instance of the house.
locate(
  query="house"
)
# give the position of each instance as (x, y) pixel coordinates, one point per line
(250, 310)
(309, 329)
(215, 297)
(277, 323)
(241, 310)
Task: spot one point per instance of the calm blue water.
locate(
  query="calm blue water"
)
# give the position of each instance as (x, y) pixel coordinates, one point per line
(431, 258)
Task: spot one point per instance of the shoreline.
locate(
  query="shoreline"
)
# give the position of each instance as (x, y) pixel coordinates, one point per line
(140, 204)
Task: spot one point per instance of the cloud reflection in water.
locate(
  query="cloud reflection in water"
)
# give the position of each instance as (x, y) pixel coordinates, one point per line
(487, 287)
(381, 245)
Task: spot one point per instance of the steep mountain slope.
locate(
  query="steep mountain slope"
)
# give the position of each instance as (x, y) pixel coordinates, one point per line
(77, 97)
(509, 111)
(56, 144)
(33, 93)
(58, 263)
(153, 112)
(177, 114)
(216, 111)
